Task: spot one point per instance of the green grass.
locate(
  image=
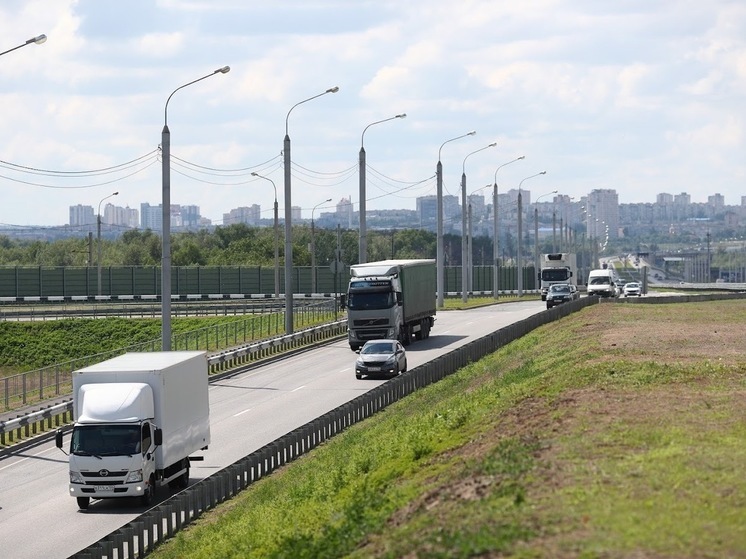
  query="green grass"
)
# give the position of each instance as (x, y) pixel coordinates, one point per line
(564, 443)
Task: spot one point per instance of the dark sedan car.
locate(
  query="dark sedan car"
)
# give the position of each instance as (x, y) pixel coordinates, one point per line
(381, 357)
(561, 293)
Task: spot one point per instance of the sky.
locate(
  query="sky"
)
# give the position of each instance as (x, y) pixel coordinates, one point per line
(640, 96)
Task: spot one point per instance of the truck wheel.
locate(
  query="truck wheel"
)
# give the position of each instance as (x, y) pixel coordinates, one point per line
(83, 502)
(406, 336)
(182, 482)
(147, 498)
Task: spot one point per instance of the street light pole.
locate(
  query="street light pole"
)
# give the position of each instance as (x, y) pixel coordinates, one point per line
(36, 40)
(289, 217)
(440, 268)
(277, 236)
(495, 250)
(537, 263)
(313, 248)
(464, 253)
(166, 216)
(520, 233)
(363, 240)
(98, 237)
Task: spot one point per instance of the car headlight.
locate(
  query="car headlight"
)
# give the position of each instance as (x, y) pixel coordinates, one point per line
(75, 477)
(134, 476)
(359, 363)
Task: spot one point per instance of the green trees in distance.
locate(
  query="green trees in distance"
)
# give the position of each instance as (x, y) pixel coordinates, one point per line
(232, 245)
(243, 245)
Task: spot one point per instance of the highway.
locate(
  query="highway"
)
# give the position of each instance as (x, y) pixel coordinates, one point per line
(247, 411)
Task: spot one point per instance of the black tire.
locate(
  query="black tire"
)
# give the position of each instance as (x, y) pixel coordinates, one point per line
(182, 482)
(358, 376)
(83, 503)
(404, 370)
(147, 498)
(406, 336)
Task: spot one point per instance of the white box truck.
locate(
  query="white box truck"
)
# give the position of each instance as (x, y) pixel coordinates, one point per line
(138, 418)
(559, 267)
(391, 299)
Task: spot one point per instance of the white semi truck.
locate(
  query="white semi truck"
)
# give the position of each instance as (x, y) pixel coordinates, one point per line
(391, 299)
(138, 419)
(558, 267)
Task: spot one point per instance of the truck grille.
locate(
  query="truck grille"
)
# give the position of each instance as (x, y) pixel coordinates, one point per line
(371, 334)
(364, 322)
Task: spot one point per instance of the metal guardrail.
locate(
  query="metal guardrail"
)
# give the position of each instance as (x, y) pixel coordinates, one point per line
(59, 414)
(54, 380)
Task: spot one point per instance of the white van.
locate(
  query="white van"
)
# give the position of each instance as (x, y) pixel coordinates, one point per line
(602, 283)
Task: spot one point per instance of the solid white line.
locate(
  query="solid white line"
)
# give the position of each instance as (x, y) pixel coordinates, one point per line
(27, 458)
(241, 412)
(299, 388)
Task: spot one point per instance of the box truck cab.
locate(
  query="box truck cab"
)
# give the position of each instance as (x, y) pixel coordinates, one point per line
(602, 283)
(137, 419)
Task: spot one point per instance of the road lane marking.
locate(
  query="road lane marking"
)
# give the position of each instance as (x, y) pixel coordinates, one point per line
(299, 388)
(241, 412)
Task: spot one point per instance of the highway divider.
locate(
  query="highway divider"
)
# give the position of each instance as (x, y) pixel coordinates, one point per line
(26, 427)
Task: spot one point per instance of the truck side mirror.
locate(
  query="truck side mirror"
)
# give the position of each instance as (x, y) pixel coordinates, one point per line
(342, 301)
(58, 439)
(158, 437)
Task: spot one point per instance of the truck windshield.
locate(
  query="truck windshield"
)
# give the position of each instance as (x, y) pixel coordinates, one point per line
(600, 280)
(370, 300)
(105, 440)
(555, 274)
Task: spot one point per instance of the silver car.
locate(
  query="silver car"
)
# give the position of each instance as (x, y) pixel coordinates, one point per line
(381, 357)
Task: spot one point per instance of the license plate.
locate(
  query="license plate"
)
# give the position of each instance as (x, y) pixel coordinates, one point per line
(104, 488)
(374, 369)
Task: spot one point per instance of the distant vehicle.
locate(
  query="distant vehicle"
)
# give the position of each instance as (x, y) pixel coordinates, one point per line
(632, 289)
(602, 283)
(381, 357)
(558, 267)
(561, 293)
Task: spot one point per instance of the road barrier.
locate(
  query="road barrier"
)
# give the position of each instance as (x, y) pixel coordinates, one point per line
(54, 381)
(25, 426)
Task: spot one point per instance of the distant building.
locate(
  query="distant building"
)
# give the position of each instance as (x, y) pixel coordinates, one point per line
(82, 215)
(151, 217)
(345, 211)
(249, 215)
(603, 212)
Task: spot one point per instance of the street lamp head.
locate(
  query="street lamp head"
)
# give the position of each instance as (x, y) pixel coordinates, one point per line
(38, 40)
(471, 133)
(115, 194)
(493, 144)
(332, 89)
(253, 174)
(403, 115)
(223, 70)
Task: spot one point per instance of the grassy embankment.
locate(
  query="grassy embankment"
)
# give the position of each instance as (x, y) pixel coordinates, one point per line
(616, 432)
(31, 345)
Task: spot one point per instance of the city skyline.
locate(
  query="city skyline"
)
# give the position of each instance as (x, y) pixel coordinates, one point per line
(557, 81)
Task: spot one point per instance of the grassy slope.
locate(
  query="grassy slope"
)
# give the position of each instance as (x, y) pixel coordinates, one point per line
(614, 433)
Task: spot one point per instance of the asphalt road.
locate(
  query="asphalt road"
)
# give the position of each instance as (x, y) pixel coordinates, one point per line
(39, 519)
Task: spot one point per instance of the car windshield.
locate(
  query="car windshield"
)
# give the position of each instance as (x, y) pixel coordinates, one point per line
(378, 347)
(632, 286)
(560, 289)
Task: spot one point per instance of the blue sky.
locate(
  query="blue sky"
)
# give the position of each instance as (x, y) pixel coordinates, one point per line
(639, 96)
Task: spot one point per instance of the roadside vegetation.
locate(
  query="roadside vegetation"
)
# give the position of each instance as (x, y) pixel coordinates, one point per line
(28, 346)
(615, 432)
